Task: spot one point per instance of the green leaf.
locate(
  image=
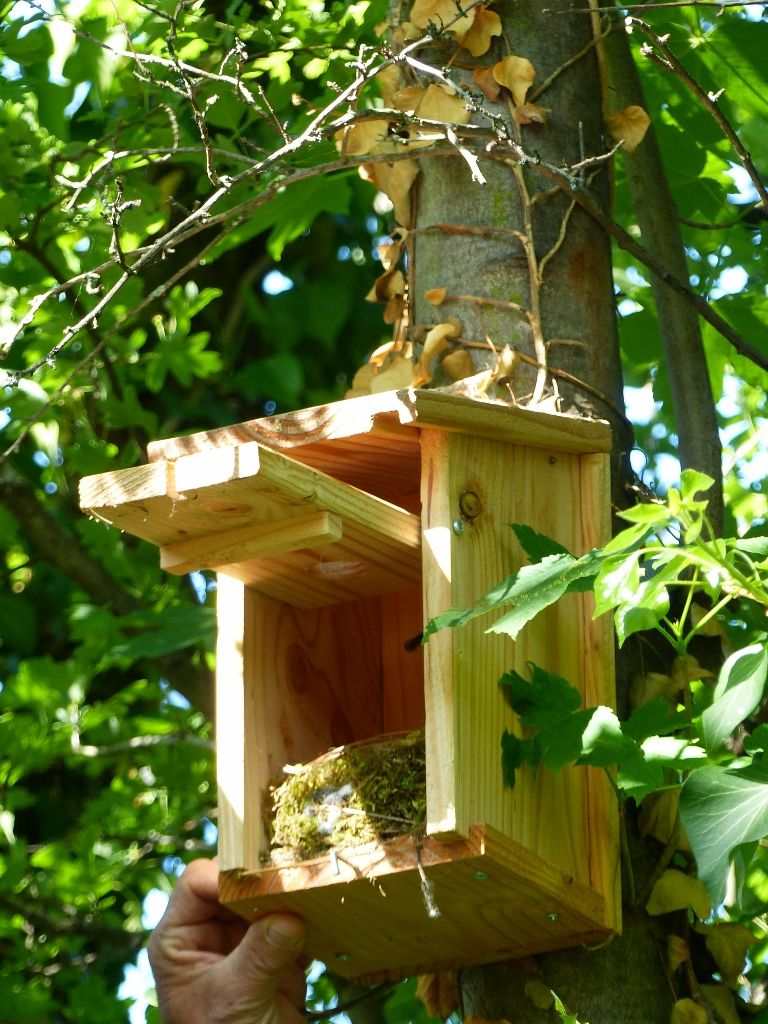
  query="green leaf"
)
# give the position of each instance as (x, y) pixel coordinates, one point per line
(530, 590)
(655, 718)
(650, 514)
(646, 608)
(692, 481)
(721, 810)
(544, 701)
(514, 754)
(616, 582)
(739, 690)
(290, 214)
(537, 545)
(538, 586)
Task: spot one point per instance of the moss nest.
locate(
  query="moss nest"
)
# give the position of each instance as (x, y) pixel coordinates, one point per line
(362, 793)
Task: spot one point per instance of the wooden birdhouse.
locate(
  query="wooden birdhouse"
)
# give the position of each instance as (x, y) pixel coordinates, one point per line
(336, 533)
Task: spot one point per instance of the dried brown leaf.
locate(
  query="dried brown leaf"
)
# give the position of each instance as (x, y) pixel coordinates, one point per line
(458, 364)
(678, 891)
(486, 25)
(390, 80)
(363, 137)
(628, 126)
(723, 1002)
(435, 296)
(485, 81)
(394, 180)
(658, 817)
(517, 75)
(434, 343)
(685, 669)
(651, 686)
(509, 360)
(728, 944)
(685, 1011)
(361, 382)
(389, 251)
(439, 993)
(677, 952)
(386, 285)
(394, 309)
(442, 104)
(396, 373)
(440, 13)
(710, 628)
(531, 113)
(475, 386)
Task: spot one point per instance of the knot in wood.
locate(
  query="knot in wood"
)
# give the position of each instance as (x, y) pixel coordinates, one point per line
(470, 505)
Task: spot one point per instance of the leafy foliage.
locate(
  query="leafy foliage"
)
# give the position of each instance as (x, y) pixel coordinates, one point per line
(105, 738)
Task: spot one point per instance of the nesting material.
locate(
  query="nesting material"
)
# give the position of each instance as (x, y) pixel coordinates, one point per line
(362, 793)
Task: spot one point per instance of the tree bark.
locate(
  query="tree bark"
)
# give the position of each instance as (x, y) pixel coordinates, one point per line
(654, 208)
(473, 239)
(555, 307)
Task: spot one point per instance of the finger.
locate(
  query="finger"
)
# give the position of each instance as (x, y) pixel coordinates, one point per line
(195, 897)
(269, 948)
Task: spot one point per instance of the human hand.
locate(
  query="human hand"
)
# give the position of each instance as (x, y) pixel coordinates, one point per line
(211, 967)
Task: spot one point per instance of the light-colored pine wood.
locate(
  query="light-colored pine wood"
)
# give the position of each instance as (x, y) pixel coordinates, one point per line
(250, 542)
(196, 505)
(357, 417)
(237, 755)
(465, 713)
(337, 531)
(366, 917)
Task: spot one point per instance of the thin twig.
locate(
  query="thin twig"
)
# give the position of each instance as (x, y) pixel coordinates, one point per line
(666, 59)
(721, 4)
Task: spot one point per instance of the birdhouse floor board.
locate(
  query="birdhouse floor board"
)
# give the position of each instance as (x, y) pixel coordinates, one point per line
(494, 900)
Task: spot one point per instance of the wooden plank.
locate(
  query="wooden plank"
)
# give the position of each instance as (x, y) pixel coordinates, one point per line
(239, 846)
(359, 416)
(495, 898)
(402, 662)
(466, 715)
(334, 421)
(250, 542)
(599, 674)
(239, 491)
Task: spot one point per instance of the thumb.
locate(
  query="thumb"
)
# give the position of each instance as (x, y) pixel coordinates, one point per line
(269, 946)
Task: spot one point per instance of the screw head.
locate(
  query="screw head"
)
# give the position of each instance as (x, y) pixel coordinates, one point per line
(343, 957)
(458, 527)
(553, 916)
(482, 876)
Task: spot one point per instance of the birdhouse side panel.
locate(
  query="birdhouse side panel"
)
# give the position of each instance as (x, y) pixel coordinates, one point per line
(473, 489)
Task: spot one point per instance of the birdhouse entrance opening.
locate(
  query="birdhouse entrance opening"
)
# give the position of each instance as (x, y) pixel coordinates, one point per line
(327, 677)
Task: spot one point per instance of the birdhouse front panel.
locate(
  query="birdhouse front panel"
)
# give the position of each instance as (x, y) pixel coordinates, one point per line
(337, 532)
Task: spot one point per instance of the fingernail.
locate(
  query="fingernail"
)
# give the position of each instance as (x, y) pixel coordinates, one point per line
(285, 933)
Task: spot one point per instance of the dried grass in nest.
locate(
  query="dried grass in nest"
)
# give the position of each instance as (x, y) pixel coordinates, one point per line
(362, 793)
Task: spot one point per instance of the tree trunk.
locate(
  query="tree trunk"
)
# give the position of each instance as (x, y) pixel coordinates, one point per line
(521, 265)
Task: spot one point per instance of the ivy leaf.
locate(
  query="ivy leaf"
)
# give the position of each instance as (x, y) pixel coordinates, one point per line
(536, 545)
(721, 810)
(544, 701)
(738, 692)
(655, 718)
